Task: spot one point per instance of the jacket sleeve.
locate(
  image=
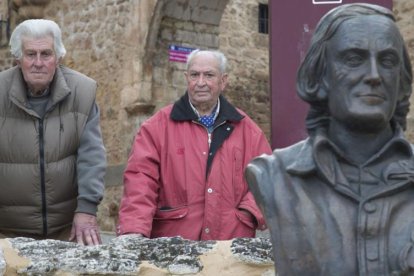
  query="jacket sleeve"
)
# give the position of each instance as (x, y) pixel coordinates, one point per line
(91, 165)
(141, 183)
(259, 145)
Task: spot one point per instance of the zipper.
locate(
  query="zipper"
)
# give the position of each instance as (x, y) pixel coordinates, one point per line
(42, 166)
(209, 133)
(42, 176)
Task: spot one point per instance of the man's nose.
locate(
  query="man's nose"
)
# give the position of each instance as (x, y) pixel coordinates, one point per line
(373, 77)
(201, 80)
(37, 61)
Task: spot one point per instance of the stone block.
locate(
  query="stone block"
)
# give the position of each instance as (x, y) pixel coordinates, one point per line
(133, 255)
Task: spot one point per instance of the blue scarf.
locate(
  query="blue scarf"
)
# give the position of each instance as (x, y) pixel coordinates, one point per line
(208, 120)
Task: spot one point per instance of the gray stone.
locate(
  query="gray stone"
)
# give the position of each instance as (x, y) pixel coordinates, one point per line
(122, 255)
(256, 251)
(126, 255)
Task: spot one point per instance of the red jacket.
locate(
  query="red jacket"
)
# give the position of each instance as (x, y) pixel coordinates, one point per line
(175, 185)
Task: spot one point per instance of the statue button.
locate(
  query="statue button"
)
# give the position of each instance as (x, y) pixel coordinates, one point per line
(370, 207)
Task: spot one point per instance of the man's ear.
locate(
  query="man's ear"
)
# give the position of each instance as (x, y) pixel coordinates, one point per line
(186, 77)
(18, 62)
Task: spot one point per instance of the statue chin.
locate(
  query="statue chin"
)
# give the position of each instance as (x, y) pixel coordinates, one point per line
(366, 124)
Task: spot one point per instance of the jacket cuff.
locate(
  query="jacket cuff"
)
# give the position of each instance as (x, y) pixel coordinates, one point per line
(261, 224)
(121, 230)
(86, 207)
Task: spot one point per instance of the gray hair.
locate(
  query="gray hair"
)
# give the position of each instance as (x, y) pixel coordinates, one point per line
(221, 58)
(36, 28)
(310, 85)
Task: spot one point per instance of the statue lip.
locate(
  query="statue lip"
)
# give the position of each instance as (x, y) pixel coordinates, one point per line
(372, 98)
(371, 95)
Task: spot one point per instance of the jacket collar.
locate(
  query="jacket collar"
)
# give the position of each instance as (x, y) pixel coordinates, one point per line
(58, 88)
(182, 111)
(303, 162)
(314, 147)
(319, 154)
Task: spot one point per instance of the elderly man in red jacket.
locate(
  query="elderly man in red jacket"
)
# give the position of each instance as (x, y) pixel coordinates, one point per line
(185, 172)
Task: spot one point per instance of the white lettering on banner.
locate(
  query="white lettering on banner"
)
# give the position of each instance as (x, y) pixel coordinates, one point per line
(179, 53)
(317, 2)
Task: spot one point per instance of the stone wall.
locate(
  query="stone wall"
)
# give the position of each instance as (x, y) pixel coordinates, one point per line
(404, 11)
(6, 60)
(248, 54)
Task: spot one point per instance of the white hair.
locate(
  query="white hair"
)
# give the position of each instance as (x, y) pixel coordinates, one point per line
(36, 28)
(221, 58)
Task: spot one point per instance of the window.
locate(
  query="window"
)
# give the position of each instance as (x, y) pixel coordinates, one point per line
(263, 18)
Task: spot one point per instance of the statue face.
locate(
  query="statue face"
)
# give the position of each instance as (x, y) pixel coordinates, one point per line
(364, 59)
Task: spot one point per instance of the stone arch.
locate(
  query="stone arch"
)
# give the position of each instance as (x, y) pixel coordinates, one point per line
(27, 9)
(183, 22)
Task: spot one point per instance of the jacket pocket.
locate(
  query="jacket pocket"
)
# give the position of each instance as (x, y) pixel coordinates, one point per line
(245, 219)
(238, 187)
(168, 214)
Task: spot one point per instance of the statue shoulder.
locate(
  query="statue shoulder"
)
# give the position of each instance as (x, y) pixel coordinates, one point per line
(291, 153)
(280, 159)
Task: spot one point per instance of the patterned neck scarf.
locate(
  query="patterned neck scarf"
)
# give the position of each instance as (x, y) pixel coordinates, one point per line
(207, 120)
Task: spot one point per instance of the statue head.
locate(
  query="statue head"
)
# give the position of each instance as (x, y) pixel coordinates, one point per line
(368, 58)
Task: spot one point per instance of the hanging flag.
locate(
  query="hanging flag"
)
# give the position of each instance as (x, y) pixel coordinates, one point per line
(179, 53)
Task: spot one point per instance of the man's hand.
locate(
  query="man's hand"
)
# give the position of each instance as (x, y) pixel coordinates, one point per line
(85, 230)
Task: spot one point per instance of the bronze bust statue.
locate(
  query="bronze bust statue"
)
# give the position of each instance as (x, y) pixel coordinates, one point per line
(341, 202)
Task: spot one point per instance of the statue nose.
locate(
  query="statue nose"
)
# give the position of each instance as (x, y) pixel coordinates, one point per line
(373, 77)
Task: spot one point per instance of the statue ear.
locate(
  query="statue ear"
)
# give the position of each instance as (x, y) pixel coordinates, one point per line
(323, 90)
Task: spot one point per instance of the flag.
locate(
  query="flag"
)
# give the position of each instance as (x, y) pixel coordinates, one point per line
(179, 53)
